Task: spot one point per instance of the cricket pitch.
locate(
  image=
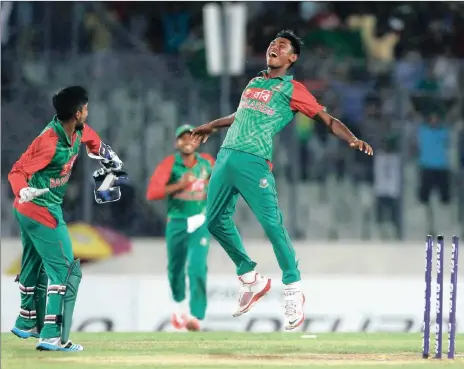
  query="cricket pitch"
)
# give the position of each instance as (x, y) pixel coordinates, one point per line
(226, 350)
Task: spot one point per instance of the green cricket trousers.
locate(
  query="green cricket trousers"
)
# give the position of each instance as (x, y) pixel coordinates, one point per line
(239, 173)
(188, 250)
(49, 278)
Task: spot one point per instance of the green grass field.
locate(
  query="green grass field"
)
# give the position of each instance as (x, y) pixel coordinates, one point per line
(228, 350)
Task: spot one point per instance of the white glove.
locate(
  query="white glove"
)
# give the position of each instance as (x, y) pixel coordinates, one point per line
(194, 222)
(28, 193)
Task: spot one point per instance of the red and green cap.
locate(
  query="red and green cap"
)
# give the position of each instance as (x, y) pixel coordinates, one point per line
(182, 129)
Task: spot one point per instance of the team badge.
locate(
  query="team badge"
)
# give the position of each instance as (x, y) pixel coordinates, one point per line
(263, 183)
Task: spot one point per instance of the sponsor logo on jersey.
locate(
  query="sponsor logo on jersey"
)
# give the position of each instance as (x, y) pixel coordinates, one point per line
(259, 94)
(57, 182)
(257, 106)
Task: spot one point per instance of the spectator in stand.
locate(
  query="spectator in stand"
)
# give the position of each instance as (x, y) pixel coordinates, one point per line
(433, 142)
(387, 186)
(435, 40)
(352, 94)
(428, 84)
(309, 9)
(101, 40)
(409, 71)
(446, 71)
(379, 48)
(458, 36)
(194, 41)
(176, 25)
(322, 16)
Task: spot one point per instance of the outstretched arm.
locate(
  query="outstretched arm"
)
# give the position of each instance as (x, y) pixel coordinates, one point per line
(342, 132)
(303, 101)
(203, 132)
(223, 122)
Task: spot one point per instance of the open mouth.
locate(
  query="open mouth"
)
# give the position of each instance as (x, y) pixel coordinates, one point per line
(273, 54)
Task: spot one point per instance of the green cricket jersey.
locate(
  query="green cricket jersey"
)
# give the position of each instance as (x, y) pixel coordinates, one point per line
(190, 201)
(267, 105)
(48, 161)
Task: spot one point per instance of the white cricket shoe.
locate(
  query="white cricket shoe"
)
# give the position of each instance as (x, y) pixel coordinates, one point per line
(294, 301)
(179, 317)
(178, 320)
(192, 324)
(54, 344)
(254, 286)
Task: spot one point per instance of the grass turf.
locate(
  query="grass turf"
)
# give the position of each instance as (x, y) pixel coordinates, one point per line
(229, 350)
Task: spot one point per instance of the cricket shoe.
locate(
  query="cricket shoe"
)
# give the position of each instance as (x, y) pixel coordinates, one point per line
(192, 324)
(179, 321)
(294, 301)
(254, 286)
(25, 334)
(54, 344)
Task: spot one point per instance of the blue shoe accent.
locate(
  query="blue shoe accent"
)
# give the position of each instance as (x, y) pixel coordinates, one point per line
(24, 334)
(44, 346)
(73, 347)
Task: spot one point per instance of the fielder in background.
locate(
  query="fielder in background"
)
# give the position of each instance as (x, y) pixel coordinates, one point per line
(269, 102)
(39, 180)
(183, 179)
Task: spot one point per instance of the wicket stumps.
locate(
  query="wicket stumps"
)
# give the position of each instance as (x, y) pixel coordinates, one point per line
(439, 297)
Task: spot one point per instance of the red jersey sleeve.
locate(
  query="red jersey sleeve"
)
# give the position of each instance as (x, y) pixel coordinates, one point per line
(208, 157)
(91, 139)
(37, 156)
(303, 101)
(159, 179)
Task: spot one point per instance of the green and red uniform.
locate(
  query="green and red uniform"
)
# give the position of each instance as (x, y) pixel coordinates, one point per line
(47, 163)
(185, 246)
(244, 167)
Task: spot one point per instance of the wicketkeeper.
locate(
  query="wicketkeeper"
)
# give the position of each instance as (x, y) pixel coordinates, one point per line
(50, 277)
(183, 179)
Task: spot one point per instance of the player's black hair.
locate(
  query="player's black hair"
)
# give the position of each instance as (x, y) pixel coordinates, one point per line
(296, 42)
(69, 101)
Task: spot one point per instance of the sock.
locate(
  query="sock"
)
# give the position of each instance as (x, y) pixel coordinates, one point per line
(249, 277)
(180, 308)
(293, 286)
(53, 341)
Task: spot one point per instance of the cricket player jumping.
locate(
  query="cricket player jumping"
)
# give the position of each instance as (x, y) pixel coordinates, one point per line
(50, 277)
(268, 104)
(183, 179)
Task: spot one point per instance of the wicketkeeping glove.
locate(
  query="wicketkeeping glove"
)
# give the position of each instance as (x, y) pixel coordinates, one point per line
(107, 185)
(108, 158)
(28, 193)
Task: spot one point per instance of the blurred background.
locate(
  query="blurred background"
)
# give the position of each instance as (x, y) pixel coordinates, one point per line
(392, 72)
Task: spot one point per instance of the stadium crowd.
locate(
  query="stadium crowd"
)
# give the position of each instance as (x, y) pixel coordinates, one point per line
(355, 55)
